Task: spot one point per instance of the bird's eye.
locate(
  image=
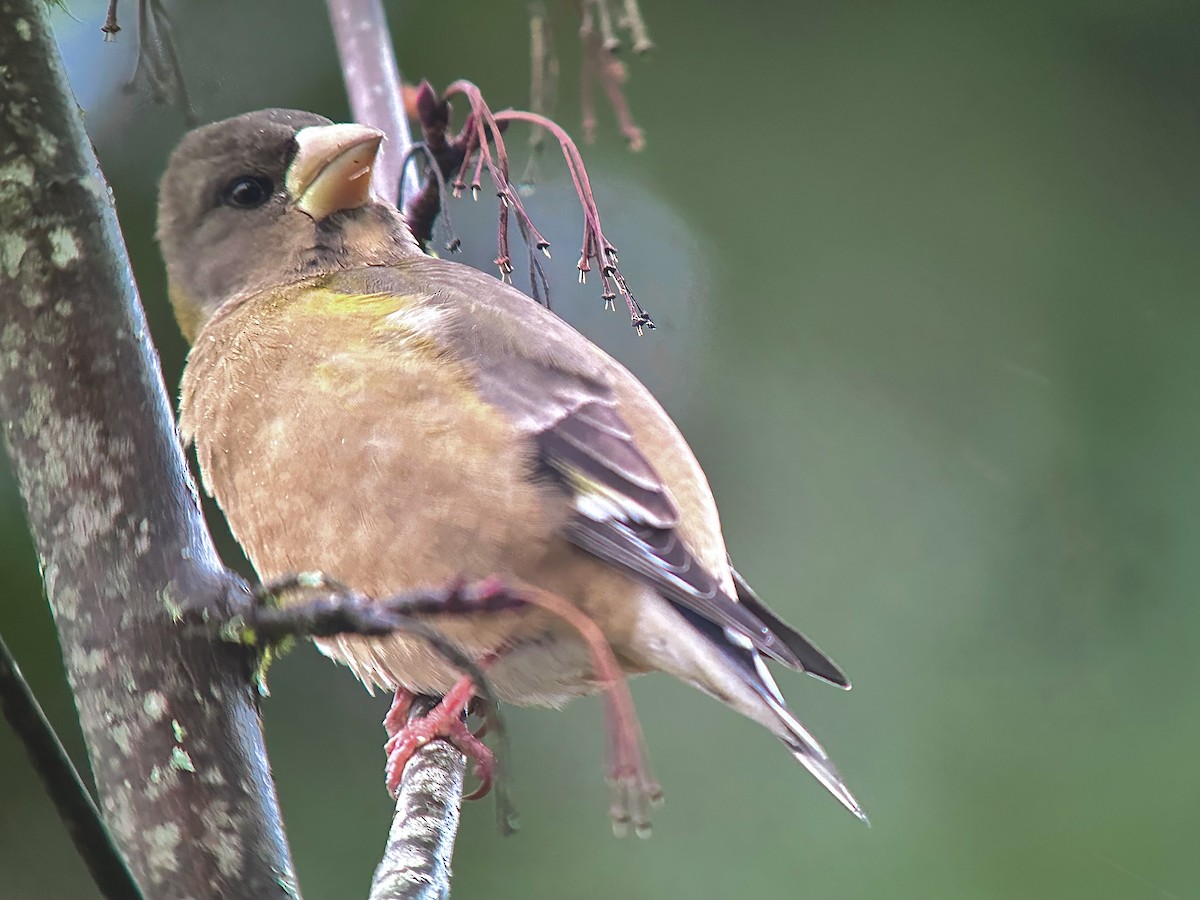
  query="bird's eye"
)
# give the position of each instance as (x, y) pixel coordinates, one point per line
(247, 192)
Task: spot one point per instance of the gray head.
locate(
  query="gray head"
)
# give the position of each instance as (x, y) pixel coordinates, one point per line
(267, 198)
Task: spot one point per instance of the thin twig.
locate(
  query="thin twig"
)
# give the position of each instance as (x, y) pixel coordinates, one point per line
(632, 21)
(157, 59)
(608, 34)
(543, 83)
(599, 63)
(433, 195)
(62, 783)
(111, 27)
(421, 211)
(339, 610)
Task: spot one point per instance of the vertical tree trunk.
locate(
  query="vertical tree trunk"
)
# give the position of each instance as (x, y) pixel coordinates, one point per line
(170, 722)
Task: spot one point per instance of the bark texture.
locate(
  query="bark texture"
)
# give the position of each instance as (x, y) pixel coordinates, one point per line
(170, 721)
(420, 846)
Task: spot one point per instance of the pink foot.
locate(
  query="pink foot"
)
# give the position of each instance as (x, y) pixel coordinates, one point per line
(633, 789)
(444, 721)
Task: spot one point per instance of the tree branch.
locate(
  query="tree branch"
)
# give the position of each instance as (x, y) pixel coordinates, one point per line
(62, 782)
(176, 749)
(373, 84)
(416, 860)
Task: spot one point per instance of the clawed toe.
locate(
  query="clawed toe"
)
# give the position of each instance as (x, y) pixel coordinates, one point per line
(633, 795)
(446, 722)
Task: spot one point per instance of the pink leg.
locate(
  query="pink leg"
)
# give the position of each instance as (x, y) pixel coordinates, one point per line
(633, 788)
(397, 714)
(444, 721)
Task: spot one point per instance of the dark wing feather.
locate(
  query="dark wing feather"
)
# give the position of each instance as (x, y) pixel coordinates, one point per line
(659, 557)
(591, 448)
(810, 656)
(623, 512)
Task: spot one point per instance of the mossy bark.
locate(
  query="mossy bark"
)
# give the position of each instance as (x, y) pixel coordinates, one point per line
(168, 713)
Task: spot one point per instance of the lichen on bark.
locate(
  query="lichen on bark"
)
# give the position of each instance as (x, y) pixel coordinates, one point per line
(168, 715)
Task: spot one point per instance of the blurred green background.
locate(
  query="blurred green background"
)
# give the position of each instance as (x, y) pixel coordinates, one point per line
(927, 279)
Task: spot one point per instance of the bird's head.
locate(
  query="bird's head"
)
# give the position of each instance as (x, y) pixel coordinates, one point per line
(267, 198)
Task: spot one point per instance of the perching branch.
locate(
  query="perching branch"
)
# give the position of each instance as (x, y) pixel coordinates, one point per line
(337, 609)
(176, 751)
(420, 845)
(330, 608)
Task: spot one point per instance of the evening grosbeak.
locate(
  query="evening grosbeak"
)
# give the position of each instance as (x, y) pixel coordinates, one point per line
(397, 421)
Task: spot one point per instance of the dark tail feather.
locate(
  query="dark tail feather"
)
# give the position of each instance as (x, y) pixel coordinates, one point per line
(736, 650)
(813, 757)
(811, 658)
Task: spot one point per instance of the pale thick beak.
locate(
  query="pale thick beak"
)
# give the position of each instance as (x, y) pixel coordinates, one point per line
(332, 168)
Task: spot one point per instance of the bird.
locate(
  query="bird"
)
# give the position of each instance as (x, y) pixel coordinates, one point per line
(399, 421)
